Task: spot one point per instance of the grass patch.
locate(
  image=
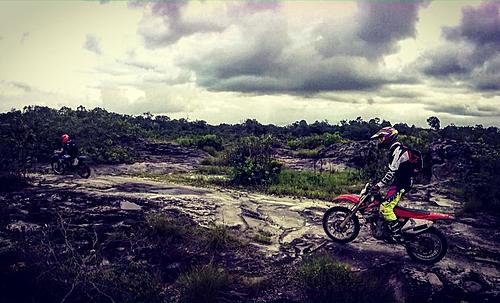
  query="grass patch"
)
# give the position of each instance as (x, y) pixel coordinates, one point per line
(316, 185)
(166, 227)
(325, 280)
(307, 153)
(204, 284)
(194, 179)
(254, 285)
(303, 183)
(141, 282)
(263, 237)
(218, 237)
(214, 170)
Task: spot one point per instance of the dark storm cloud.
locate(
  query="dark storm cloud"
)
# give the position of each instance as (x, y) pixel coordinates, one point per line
(472, 51)
(92, 44)
(269, 60)
(387, 22)
(443, 62)
(378, 28)
(175, 26)
(479, 25)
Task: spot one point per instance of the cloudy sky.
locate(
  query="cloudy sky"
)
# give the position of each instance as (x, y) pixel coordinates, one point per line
(276, 61)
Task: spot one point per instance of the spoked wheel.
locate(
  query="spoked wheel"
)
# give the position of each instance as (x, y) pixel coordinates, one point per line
(57, 167)
(427, 247)
(83, 170)
(331, 224)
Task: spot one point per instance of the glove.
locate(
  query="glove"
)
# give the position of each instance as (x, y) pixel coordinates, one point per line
(375, 188)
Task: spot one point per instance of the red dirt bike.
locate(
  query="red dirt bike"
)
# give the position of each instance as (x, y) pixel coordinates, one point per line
(423, 242)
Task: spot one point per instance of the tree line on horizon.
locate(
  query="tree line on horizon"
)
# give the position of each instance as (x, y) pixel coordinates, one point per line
(108, 137)
(31, 135)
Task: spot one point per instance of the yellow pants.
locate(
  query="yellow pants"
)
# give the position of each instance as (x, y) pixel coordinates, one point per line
(392, 199)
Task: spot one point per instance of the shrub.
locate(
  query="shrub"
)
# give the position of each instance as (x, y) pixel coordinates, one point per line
(115, 154)
(16, 145)
(482, 184)
(212, 141)
(204, 284)
(252, 162)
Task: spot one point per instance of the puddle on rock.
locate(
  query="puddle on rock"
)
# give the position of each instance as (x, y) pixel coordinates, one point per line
(129, 206)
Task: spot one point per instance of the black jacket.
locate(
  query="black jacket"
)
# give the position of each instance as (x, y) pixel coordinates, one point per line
(399, 173)
(70, 149)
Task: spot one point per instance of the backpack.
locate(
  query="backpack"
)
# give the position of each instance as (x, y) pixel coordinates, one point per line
(416, 161)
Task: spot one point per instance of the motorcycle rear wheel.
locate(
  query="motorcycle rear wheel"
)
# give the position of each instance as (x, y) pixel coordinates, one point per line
(83, 170)
(428, 247)
(331, 224)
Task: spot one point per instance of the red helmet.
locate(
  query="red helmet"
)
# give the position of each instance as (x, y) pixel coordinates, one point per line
(64, 138)
(386, 136)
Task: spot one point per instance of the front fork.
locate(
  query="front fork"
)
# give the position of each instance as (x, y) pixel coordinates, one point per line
(353, 212)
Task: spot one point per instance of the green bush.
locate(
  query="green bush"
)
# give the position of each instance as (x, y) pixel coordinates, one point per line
(213, 141)
(204, 284)
(115, 154)
(252, 162)
(16, 146)
(481, 186)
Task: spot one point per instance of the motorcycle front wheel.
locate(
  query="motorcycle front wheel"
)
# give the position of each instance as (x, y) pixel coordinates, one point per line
(57, 167)
(331, 224)
(83, 170)
(427, 247)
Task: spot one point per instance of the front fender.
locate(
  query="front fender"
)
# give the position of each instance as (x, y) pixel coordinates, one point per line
(352, 198)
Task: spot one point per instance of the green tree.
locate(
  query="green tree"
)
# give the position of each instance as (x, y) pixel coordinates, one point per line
(434, 122)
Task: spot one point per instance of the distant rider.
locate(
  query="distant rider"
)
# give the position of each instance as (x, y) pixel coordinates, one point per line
(398, 177)
(69, 149)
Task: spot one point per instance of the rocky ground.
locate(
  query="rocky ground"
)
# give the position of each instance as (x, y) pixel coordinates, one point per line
(281, 230)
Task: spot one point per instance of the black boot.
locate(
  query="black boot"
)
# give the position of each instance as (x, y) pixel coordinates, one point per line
(395, 231)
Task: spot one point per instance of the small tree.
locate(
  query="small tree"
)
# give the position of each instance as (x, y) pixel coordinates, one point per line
(252, 161)
(434, 122)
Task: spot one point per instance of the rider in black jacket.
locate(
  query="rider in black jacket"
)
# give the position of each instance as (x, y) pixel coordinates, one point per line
(398, 177)
(69, 149)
